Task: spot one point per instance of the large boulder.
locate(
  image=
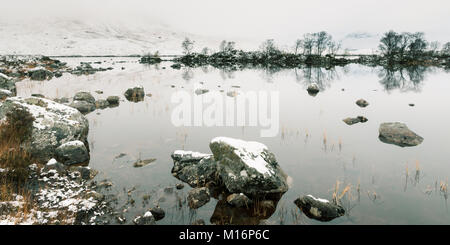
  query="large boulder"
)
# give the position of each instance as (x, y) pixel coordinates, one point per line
(313, 89)
(198, 197)
(5, 94)
(398, 134)
(319, 209)
(7, 84)
(84, 96)
(73, 152)
(135, 94)
(40, 74)
(248, 167)
(194, 168)
(83, 106)
(54, 125)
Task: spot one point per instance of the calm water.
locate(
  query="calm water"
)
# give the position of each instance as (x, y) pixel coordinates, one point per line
(314, 146)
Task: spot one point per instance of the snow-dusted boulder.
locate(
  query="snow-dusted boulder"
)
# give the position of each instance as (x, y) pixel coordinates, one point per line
(135, 94)
(318, 208)
(194, 168)
(248, 167)
(7, 85)
(398, 134)
(54, 125)
(72, 152)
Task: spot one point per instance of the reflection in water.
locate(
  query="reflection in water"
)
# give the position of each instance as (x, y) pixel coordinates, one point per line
(403, 78)
(187, 74)
(226, 214)
(321, 76)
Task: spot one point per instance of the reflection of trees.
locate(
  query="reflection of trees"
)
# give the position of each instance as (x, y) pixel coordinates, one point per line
(322, 76)
(403, 78)
(187, 74)
(227, 73)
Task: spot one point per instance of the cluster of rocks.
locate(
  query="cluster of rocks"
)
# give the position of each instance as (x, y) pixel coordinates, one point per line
(35, 67)
(85, 68)
(58, 131)
(237, 173)
(85, 102)
(353, 120)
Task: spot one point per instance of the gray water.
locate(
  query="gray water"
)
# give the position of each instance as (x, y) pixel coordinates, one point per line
(388, 184)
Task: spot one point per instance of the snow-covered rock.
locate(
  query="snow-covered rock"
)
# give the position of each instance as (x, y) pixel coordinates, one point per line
(72, 152)
(318, 208)
(54, 125)
(248, 167)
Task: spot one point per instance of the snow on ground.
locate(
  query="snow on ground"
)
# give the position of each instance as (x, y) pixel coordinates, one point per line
(78, 37)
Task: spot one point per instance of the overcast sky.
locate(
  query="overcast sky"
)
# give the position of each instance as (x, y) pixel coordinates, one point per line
(280, 19)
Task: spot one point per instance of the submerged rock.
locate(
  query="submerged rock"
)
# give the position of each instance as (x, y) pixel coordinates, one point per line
(198, 197)
(73, 152)
(351, 121)
(247, 167)
(398, 134)
(362, 103)
(319, 209)
(313, 89)
(141, 163)
(135, 94)
(54, 125)
(201, 91)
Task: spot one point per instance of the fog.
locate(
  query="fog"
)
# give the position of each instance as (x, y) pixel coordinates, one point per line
(283, 20)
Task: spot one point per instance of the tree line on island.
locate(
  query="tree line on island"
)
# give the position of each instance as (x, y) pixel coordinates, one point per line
(315, 49)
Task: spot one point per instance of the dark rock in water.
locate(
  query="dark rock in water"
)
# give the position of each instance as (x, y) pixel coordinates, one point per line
(40, 74)
(38, 95)
(313, 89)
(248, 167)
(319, 209)
(411, 104)
(113, 100)
(351, 121)
(158, 213)
(83, 106)
(168, 190)
(99, 91)
(201, 91)
(198, 197)
(54, 125)
(176, 66)
(239, 200)
(58, 74)
(362, 103)
(398, 134)
(194, 168)
(146, 219)
(135, 94)
(84, 96)
(101, 104)
(198, 222)
(73, 152)
(179, 186)
(141, 163)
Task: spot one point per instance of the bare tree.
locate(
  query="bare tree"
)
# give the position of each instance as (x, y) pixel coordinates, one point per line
(227, 47)
(308, 44)
(446, 49)
(205, 51)
(390, 43)
(334, 47)
(321, 41)
(298, 45)
(434, 46)
(268, 47)
(187, 46)
(418, 44)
